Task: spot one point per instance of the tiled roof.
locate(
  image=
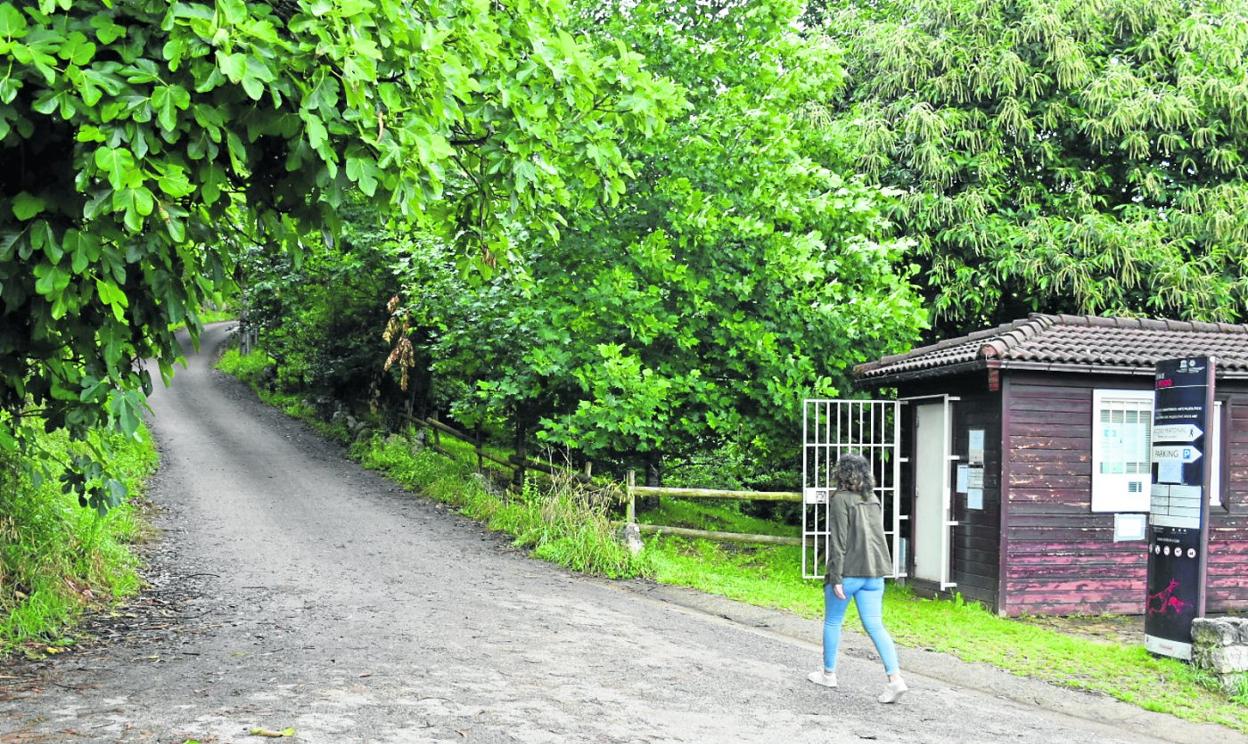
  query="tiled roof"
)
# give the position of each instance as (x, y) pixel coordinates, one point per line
(1071, 343)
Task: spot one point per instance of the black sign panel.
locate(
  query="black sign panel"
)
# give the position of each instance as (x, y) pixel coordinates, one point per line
(1182, 404)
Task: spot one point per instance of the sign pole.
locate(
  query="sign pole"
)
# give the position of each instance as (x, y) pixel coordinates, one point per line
(1181, 467)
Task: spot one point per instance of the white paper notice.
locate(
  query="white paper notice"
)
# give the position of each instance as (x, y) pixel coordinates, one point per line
(975, 448)
(1129, 527)
(1169, 471)
(975, 498)
(962, 470)
(975, 479)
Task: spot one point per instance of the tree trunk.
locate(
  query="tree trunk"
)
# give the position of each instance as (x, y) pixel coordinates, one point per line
(521, 449)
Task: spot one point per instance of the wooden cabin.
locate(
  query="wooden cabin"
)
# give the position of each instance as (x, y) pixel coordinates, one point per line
(1025, 481)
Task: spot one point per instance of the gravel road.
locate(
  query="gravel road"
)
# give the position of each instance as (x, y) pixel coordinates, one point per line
(301, 591)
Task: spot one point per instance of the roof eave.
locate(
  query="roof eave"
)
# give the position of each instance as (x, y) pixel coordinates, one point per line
(1100, 369)
(921, 373)
(929, 373)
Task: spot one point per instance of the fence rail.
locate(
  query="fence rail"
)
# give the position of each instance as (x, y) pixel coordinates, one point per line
(715, 493)
(736, 537)
(632, 491)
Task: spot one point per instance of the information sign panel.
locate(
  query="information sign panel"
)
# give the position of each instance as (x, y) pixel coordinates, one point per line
(1178, 518)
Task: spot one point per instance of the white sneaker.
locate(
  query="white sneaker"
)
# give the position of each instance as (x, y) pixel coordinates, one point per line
(824, 678)
(893, 691)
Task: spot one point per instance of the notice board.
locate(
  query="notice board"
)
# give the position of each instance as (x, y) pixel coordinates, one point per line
(1179, 513)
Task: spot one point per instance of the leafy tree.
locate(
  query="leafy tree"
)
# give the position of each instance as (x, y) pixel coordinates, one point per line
(144, 141)
(1068, 155)
(738, 273)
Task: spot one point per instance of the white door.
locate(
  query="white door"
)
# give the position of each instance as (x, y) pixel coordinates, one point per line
(931, 480)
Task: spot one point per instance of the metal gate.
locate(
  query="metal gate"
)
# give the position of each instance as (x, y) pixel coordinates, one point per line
(831, 428)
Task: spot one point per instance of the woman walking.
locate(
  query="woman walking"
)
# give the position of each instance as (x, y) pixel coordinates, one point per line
(858, 561)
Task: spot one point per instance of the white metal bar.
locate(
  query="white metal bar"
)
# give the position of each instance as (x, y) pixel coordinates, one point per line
(898, 569)
(805, 449)
(945, 496)
(830, 429)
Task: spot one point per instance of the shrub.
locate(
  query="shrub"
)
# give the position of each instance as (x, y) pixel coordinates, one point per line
(56, 557)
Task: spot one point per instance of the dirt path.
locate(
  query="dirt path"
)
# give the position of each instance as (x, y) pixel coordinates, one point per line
(318, 596)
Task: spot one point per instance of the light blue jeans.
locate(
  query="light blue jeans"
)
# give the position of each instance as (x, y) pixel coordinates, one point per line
(868, 594)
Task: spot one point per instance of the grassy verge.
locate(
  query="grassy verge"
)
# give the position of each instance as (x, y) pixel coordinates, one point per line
(558, 521)
(57, 558)
(210, 315)
(767, 576)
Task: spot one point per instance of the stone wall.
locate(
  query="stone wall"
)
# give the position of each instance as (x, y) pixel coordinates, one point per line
(1220, 645)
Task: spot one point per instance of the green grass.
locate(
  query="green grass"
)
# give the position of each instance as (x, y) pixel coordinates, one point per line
(209, 315)
(561, 522)
(768, 576)
(249, 368)
(57, 558)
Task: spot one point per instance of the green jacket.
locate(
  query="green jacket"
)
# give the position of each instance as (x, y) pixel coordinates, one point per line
(856, 546)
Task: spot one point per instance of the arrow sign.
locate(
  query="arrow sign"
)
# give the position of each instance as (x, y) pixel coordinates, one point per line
(1176, 433)
(1175, 452)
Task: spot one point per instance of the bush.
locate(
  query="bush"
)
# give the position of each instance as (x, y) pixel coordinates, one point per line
(563, 522)
(56, 557)
(252, 368)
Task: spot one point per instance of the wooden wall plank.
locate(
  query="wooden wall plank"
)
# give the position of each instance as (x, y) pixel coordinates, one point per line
(1062, 557)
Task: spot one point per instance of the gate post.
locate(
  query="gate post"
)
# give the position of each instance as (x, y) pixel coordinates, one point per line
(630, 483)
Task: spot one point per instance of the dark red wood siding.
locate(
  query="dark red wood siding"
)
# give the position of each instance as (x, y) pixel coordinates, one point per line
(1060, 557)
(1228, 530)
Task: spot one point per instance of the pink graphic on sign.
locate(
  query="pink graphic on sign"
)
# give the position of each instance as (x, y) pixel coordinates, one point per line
(1164, 601)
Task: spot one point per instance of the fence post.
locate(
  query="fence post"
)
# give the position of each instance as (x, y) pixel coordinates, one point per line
(521, 451)
(629, 483)
(589, 469)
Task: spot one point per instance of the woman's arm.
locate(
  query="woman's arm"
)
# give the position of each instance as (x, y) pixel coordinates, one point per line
(838, 529)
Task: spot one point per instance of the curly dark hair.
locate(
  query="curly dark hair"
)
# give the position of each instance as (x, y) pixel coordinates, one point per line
(853, 474)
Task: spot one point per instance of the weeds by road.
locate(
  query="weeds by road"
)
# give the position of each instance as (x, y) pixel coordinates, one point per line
(57, 558)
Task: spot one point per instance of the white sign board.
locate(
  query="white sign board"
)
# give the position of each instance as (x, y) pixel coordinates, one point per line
(1181, 452)
(1176, 433)
(1129, 527)
(975, 479)
(1176, 506)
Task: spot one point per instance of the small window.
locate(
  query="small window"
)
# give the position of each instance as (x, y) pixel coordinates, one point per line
(1122, 453)
(1121, 435)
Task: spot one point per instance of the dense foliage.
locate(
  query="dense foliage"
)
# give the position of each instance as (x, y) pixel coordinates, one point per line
(741, 270)
(57, 559)
(681, 218)
(1073, 155)
(144, 141)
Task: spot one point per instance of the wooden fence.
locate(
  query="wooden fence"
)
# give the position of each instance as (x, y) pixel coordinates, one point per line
(631, 490)
(518, 465)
